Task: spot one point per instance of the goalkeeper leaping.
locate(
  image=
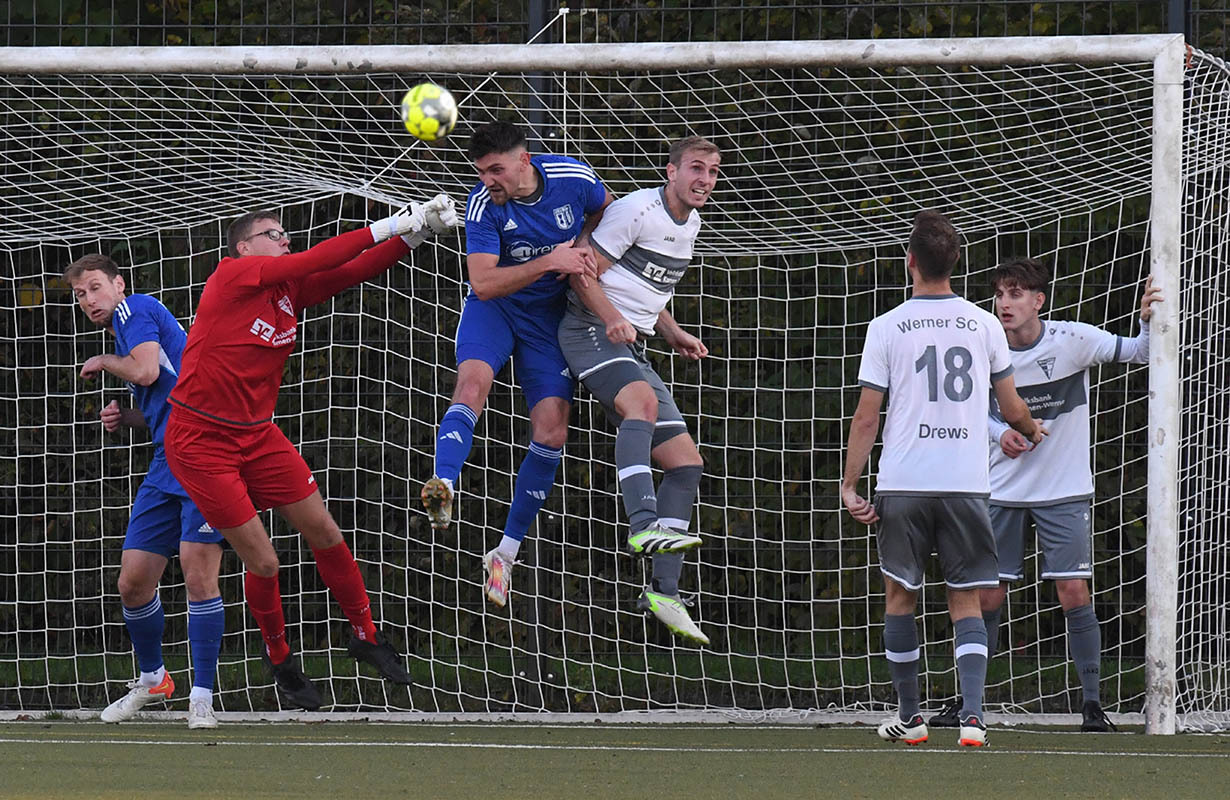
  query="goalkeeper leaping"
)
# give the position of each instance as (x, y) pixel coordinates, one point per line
(642, 247)
(222, 444)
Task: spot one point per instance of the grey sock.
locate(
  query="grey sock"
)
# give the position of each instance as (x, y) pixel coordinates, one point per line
(901, 649)
(677, 495)
(666, 570)
(1085, 644)
(991, 620)
(632, 445)
(971, 644)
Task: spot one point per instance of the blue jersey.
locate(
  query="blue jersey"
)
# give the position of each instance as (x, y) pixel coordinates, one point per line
(522, 230)
(139, 319)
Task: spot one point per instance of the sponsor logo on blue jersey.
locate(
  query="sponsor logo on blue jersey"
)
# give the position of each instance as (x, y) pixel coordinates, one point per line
(523, 230)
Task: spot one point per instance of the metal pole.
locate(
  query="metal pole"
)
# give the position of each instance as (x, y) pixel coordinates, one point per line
(362, 59)
(1162, 550)
(1177, 17)
(538, 82)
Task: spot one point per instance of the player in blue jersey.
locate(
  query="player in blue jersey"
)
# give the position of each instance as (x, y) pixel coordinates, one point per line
(521, 221)
(148, 345)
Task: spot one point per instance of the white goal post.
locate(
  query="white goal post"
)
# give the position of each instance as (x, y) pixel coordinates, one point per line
(1104, 156)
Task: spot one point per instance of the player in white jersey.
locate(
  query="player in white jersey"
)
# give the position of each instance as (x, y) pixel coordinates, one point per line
(938, 357)
(1051, 485)
(643, 246)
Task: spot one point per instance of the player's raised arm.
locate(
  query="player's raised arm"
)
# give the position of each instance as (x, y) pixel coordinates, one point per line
(440, 216)
(260, 234)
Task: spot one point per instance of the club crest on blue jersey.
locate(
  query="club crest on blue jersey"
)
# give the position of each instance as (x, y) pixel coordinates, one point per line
(564, 218)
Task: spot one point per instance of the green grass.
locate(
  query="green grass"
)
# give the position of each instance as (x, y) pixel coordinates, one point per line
(76, 759)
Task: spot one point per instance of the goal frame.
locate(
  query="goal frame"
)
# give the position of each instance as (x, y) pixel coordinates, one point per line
(1166, 52)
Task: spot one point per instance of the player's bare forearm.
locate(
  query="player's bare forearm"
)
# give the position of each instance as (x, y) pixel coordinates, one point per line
(858, 449)
(667, 327)
(593, 297)
(863, 430)
(490, 281)
(323, 285)
(1015, 412)
(132, 417)
(140, 366)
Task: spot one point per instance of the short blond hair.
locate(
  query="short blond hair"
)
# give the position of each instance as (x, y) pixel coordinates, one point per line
(687, 143)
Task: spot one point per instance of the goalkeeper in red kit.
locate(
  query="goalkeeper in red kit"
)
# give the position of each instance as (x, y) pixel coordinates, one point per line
(222, 444)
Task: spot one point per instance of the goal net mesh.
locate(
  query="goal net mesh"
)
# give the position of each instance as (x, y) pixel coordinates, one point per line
(803, 244)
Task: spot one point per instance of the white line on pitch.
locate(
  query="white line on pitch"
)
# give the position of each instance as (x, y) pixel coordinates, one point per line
(627, 748)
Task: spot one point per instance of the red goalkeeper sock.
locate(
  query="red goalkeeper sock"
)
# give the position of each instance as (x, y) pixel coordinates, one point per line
(265, 603)
(341, 574)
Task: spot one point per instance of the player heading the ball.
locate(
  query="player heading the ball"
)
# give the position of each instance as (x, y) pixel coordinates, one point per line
(521, 222)
(222, 443)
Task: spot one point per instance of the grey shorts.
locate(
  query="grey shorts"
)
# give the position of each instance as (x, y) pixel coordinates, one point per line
(606, 368)
(1063, 539)
(956, 528)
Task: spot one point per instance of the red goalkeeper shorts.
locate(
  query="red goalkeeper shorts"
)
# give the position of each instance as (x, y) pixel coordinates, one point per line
(231, 473)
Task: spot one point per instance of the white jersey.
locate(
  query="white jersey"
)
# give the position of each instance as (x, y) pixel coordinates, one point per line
(1052, 377)
(936, 357)
(649, 251)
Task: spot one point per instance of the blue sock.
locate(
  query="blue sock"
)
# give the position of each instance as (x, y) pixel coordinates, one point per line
(453, 441)
(206, 621)
(534, 481)
(145, 628)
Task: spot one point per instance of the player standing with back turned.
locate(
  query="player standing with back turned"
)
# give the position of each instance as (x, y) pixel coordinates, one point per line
(938, 356)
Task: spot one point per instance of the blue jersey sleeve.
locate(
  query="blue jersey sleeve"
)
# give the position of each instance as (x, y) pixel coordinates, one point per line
(135, 323)
(595, 198)
(482, 228)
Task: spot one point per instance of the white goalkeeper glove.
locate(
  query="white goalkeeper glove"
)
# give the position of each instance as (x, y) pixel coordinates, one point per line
(406, 221)
(441, 216)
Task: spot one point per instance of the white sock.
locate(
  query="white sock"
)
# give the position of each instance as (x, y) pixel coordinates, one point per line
(201, 693)
(151, 679)
(509, 547)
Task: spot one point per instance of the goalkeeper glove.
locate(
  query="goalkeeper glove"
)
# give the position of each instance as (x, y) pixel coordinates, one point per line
(403, 222)
(440, 215)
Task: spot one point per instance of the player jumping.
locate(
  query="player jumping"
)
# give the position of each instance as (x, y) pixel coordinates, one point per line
(521, 220)
(642, 248)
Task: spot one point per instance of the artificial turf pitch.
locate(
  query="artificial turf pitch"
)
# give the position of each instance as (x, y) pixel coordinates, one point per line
(351, 761)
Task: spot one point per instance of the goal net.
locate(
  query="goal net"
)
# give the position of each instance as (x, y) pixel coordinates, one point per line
(825, 162)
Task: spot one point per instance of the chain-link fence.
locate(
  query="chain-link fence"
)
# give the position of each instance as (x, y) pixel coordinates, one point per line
(307, 22)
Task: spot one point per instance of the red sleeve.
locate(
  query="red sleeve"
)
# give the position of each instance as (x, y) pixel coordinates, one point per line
(263, 271)
(323, 285)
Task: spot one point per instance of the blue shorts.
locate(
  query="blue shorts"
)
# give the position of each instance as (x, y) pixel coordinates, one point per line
(494, 330)
(163, 515)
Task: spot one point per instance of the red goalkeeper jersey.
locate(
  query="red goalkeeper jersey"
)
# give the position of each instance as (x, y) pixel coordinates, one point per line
(247, 322)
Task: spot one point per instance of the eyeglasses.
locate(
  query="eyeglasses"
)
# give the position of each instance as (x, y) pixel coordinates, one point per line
(273, 235)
